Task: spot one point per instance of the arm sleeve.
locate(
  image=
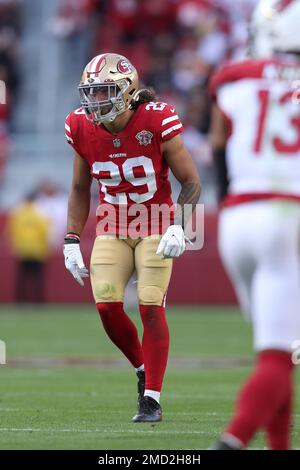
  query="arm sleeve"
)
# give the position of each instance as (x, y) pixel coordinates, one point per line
(70, 132)
(234, 71)
(170, 123)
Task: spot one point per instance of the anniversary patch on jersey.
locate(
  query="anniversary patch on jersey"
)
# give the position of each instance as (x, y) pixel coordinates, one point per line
(144, 137)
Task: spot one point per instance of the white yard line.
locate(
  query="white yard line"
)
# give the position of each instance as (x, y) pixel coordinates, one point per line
(167, 396)
(179, 362)
(107, 431)
(54, 410)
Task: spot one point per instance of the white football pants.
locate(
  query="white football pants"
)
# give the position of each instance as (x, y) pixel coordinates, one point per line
(259, 244)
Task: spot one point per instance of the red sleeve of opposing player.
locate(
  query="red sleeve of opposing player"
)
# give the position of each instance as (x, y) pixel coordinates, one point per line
(70, 131)
(170, 123)
(231, 72)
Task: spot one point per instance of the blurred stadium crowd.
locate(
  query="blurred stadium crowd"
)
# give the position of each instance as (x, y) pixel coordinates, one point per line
(175, 45)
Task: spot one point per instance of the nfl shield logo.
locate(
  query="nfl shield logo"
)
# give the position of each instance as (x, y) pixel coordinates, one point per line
(144, 137)
(117, 142)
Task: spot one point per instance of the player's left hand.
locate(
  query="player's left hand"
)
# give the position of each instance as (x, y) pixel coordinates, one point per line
(172, 243)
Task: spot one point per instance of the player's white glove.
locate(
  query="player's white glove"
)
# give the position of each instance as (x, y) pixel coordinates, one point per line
(172, 243)
(74, 262)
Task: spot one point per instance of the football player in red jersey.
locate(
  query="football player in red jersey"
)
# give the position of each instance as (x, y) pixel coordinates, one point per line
(256, 138)
(128, 143)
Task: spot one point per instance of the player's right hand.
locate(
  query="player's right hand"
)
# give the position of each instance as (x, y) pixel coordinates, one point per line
(74, 262)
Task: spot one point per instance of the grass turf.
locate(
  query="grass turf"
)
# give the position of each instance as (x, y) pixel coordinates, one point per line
(66, 404)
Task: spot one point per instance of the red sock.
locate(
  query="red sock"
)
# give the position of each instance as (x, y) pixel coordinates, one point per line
(155, 345)
(121, 330)
(279, 429)
(266, 393)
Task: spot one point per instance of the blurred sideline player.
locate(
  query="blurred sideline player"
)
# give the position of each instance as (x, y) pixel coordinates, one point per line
(128, 143)
(257, 119)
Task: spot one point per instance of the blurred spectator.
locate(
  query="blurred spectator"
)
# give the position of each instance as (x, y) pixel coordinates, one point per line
(28, 232)
(52, 202)
(121, 16)
(8, 72)
(72, 17)
(10, 15)
(4, 116)
(4, 150)
(239, 18)
(10, 29)
(194, 139)
(74, 25)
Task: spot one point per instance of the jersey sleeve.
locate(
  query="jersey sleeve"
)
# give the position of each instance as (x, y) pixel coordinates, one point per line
(234, 71)
(170, 123)
(70, 132)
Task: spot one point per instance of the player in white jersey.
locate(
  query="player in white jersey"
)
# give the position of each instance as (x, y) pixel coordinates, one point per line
(256, 140)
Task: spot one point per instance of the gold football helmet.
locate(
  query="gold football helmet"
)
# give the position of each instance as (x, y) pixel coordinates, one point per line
(108, 85)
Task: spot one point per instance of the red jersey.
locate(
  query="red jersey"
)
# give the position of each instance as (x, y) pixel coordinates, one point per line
(129, 166)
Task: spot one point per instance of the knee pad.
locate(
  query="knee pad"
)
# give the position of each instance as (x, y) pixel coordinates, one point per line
(150, 295)
(104, 292)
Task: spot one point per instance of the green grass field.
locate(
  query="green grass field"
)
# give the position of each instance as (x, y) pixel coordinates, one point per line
(65, 386)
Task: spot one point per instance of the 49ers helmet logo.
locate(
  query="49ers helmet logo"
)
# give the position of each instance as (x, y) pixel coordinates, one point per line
(124, 67)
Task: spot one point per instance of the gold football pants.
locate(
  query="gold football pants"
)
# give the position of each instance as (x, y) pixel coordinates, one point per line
(114, 260)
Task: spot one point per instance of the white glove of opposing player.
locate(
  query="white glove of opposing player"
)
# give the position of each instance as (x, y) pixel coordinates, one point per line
(172, 243)
(74, 262)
